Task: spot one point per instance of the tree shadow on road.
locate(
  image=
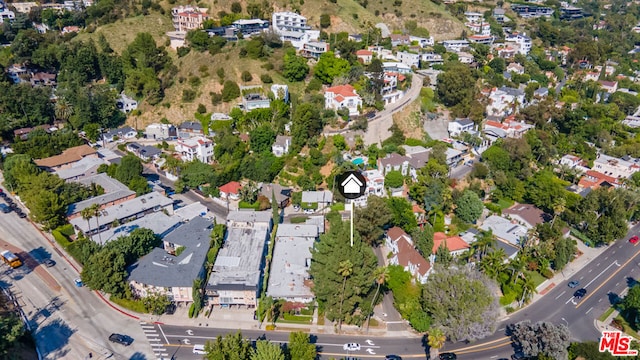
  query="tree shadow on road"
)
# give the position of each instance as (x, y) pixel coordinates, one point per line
(53, 338)
(631, 281)
(138, 356)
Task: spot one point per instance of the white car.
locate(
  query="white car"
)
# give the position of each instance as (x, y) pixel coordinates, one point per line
(309, 211)
(351, 347)
(199, 350)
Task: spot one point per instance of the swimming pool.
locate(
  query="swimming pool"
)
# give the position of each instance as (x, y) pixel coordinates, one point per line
(357, 161)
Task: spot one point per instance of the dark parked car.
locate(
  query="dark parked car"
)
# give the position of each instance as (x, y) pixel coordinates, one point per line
(171, 309)
(448, 356)
(49, 263)
(580, 293)
(120, 339)
(392, 357)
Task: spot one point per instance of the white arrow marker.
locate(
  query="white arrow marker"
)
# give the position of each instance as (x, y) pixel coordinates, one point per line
(370, 351)
(186, 342)
(370, 342)
(190, 332)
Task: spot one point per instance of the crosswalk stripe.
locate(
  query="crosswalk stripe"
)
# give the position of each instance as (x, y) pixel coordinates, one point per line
(149, 330)
(148, 327)
(157, 345)
(154, 339)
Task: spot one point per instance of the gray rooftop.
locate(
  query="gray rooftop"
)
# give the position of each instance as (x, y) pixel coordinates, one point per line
(80, 168)
(504, 229)
(511, 91)
(124, 210)
(282, 140)
(161, 269)
(249, 216)
(113, 190)
(324, 196)
(291, 261)
(239, 262)
(281, 193)
(318, 221)
(463, 121)
(160, 223)
(190, 125)
(118, 132)
(191, 211)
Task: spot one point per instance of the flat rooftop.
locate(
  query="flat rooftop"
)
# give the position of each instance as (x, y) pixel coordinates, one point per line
(152, 200)
(160, 223)
(239, 262)
(291, 261)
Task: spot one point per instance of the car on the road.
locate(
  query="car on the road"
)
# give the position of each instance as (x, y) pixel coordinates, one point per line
(574, 283)
(5, 209)
(309, 211)
(21, 215)
(49, 263)
(78, 282)
(351, 347)
(448, 356)
(520, 356)
(120, 339)
(580, 293)
(392, 357)
(634, 239)
(199, 350)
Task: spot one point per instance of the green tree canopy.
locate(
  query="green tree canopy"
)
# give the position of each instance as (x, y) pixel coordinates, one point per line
(332, 250)
(228, 347)
(369, 221)
(294, 67)
(469, 206)
(300, 347)
(394, 179)
(541, 338)
(462, 301)
(330, 67)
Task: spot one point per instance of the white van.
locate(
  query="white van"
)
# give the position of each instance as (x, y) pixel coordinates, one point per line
(199, 349)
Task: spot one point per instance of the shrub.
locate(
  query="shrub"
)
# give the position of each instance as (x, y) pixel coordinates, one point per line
(201, 109)
(266, 78)
(270, 327)
(183, 51)
(230, 91)
(133, 305)
(547, 273)
(325, 21)
(188, 95)
(246, 76)
(494, 208)
(66, 229)
(60, 239)
(194, 81)
(192, 310)
(215, 98)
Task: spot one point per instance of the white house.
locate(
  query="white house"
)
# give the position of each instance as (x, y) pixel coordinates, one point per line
(6, 15)
(505, 101)
(406, 255)
(343, 96)
(364, 56)
(126, 103)
(522, 40)
(197, 147)
(473, 16)
(126, 132)
(459, 126)
(422, 42)
(288, 21)
(465, 57)
(160, 131)
(281, 146)
(455, 45)
(314, 49)
(514, 67)
(615, 167)
(408, 58)
(374, 186)
(479, 28)
(16, 73)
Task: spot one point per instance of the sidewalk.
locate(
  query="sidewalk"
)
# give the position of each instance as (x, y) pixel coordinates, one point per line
(587, 254)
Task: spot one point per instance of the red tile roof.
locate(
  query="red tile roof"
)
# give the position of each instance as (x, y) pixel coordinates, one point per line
(344, 90)
(407, 254)
(418, 209)
(232, 187)
(364, 53)
(593, 179)
(453, 243)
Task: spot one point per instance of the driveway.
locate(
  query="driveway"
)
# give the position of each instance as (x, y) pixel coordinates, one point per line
(378, 128)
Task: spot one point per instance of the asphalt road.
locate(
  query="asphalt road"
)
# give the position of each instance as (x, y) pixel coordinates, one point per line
(68, 322)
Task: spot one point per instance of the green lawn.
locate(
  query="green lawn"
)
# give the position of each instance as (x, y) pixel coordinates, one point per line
(299, 219)
(536, 277)
(505, 203)
(295, 319)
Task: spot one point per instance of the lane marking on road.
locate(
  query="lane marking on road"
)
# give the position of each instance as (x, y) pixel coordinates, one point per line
(564, 292)
(275, 341)
(600, 274)
(588, 311)
(502, 339)
(163, 335)
(598, 264)
(581, 277)
(590, 270)
(505, 343)
(620, 267)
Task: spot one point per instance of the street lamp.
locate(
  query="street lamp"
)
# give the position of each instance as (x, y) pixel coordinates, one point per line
(565, 320)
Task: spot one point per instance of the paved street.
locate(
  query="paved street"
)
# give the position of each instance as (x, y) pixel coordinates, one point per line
(68, 322)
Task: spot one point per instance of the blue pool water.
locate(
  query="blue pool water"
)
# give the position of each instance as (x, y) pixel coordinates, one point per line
(358, 161)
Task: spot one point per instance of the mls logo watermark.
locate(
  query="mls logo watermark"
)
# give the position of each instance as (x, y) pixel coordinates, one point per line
(616, 343)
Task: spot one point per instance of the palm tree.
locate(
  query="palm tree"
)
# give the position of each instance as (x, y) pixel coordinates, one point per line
(528, 289)
(484, 241)
(94, 211)
(63, 110)
(517, 267)
(493, 263)
(381, 276)
(345, 269)
(435, 340)
(559, 207)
